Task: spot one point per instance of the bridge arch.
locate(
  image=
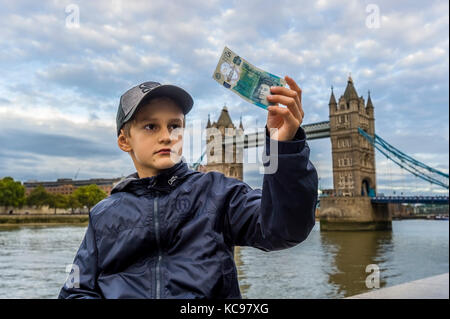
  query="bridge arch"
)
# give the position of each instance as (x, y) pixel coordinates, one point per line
(367, 188)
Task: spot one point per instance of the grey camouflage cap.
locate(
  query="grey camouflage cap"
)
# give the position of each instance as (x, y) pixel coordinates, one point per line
(133, 98)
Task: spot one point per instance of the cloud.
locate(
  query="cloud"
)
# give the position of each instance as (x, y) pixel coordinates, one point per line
(62, 85)
(16, 140)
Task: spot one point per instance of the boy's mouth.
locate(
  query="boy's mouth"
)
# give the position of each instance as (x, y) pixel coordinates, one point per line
(164, 151)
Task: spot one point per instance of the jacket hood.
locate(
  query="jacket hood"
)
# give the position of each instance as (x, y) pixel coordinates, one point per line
(166, 180)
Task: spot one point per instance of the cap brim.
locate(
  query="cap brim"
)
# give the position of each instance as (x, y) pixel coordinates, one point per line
(183, 98)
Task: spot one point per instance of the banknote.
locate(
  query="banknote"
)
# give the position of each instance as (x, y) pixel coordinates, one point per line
(245, 79)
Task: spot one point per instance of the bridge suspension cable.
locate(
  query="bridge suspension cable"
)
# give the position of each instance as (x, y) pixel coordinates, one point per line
(405, 161)
(199, 161)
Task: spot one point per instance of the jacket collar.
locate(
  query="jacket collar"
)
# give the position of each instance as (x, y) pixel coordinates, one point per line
(166, 180)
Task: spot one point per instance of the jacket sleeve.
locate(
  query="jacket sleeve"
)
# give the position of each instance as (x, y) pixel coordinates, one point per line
(82, 281)
(282, 214)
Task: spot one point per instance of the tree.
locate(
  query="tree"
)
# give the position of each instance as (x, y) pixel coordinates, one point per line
(89, 195)
(12, 193)
(72, 202)
(38, 197)
(58, 201)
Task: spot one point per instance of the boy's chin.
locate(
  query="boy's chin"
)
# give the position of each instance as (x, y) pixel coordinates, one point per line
(167, 162)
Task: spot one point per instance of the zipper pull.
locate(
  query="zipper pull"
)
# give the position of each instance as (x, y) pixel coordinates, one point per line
(172, 179)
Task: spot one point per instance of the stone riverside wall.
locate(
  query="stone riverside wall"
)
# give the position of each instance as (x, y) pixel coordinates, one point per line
(353, 213)
(44, 220)
(44, 210)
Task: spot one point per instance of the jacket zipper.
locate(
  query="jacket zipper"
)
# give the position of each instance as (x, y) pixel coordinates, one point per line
(158, 282)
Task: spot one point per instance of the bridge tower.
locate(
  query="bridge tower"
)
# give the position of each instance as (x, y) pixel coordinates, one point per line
(349, 206)
(228, 161)
(353, 156)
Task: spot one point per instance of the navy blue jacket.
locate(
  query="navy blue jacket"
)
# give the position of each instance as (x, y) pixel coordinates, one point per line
(173, 235)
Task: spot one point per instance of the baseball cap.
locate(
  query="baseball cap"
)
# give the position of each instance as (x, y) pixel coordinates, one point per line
(132, 99)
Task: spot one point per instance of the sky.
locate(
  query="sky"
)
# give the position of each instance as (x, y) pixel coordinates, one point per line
(64, 66)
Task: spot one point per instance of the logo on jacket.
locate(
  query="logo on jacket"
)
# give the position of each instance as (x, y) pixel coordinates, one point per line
(182, 207)
(182, 204)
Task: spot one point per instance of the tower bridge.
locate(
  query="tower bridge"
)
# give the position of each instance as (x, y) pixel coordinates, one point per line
(353, 203)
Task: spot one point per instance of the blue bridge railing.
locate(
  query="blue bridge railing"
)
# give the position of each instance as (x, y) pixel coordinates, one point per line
(411, 199)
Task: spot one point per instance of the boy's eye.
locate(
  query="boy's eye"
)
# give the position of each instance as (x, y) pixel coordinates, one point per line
(150, 126)
(153, 126)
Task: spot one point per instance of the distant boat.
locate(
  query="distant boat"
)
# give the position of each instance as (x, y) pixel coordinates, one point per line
(441, 217)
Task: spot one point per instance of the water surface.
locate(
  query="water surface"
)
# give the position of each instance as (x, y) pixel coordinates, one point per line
(325, 265)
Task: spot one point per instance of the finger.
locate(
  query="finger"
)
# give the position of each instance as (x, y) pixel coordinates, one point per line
(290, 102)
(293, 85)
(280, 90)
(284, 113)
(285, 91)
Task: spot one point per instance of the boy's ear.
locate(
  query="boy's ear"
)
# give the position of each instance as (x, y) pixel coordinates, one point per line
(123, 142)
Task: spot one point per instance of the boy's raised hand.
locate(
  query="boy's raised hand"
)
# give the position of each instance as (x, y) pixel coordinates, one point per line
(286, 120)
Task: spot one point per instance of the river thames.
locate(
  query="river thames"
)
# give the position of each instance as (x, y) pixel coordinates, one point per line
(326, 265)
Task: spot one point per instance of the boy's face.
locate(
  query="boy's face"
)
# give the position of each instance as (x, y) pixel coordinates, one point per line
(158, 125)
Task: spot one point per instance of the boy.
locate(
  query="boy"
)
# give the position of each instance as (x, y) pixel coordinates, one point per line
(167, 231)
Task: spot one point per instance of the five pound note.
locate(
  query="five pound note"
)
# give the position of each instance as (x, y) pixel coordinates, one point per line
(244, 79)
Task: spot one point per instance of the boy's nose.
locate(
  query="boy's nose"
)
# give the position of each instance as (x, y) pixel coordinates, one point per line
(165, 135)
